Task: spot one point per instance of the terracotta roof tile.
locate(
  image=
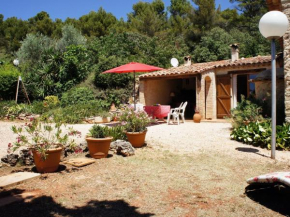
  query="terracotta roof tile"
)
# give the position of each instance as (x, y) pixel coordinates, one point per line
(198, 68)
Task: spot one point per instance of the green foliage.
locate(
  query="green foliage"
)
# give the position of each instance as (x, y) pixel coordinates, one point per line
(96, 24)
(8, 81)
(51, 101)
(245, 112)
(213, 46)
(58, 72)
(118, 132)
(148, 18)
(76, 113)
(70, 36)
(33, 47)
(78, 95)
(4, 106)
(98, 131)
(259, 134)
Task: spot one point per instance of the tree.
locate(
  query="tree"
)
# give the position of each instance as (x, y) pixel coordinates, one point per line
(205, 14)
(96, 24)
(33, 47)
(15, 31)
(179, 20)
(42, 24)
(70, 36)
(251, 10)
(148, 18)
(213, 46)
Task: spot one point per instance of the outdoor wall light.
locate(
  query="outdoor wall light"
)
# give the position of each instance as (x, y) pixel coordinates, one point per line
(273, 25)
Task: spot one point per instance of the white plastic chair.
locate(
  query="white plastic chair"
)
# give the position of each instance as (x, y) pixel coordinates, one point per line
(174, 113)
(181, 111)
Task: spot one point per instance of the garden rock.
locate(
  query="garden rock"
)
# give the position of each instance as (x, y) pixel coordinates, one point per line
(10, 159)
(26, 157)
(122, 147)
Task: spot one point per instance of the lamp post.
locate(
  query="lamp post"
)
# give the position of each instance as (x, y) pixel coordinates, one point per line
(273, 25)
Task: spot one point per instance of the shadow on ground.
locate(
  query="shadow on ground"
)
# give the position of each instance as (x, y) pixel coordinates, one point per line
(45, 206)
(250, 150)
(274, 197)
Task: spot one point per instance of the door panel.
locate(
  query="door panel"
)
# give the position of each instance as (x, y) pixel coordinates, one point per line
(223, 96)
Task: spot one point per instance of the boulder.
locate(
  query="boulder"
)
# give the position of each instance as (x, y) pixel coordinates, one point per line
(10, 159)
(122, 147)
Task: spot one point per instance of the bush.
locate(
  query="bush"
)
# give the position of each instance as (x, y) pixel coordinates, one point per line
(245, 112)
(8, 81)
(76, 113)
(4, 106)
(51, 101)
(259, 134)
(78, 95)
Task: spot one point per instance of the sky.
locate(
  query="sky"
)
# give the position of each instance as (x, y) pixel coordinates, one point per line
(62, 9)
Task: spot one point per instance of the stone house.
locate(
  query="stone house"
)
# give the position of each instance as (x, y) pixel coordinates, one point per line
(213, 88)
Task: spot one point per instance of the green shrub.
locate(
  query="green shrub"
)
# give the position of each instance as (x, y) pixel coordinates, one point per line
(118, 132)
(8, 81)
(38, 107)
(78, 95)
(259, 134)
(76, 113)
(4, 106)
(245, 112)
(51, 101)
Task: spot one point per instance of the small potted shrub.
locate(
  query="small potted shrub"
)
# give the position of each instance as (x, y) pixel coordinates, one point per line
(46, 140)
(99, 141)
(135, 124)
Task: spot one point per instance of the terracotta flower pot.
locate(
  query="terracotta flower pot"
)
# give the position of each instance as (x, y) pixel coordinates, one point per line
(99, 147)
(137, 139)
(50, 164)
(196, 117)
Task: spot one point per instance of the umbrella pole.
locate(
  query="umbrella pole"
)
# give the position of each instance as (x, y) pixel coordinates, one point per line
(134, 94)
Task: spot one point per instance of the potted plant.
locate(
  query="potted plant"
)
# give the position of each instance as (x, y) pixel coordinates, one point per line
(196, 116)
(99, 141)
(135, 124)
(46, 140)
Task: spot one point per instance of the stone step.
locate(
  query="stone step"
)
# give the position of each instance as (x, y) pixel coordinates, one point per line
(16, 178)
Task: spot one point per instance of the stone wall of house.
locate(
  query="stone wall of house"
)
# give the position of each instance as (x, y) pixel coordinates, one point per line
(286, 41)
(157, 91)
(206, 102)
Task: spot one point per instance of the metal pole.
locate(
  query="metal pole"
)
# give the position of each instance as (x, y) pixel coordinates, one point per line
(134, 94)
(273, 138)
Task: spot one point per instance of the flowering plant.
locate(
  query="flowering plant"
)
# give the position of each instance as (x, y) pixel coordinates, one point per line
(42, 136)
(134, 121)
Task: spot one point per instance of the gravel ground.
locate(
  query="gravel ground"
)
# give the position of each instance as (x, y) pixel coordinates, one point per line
(183, 138)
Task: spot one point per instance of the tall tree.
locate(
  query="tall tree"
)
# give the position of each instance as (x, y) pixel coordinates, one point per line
(97, 23)
(251, 12)
(179, 19)
(148, 18)
(205, 14)
(41, 23)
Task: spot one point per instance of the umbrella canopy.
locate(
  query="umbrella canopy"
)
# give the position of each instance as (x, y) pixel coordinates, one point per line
(133, 67)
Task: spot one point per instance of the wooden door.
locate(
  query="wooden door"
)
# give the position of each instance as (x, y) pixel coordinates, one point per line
(223, 96)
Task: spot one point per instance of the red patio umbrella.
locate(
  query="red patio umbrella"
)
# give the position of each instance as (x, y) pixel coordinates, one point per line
(133, 67)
